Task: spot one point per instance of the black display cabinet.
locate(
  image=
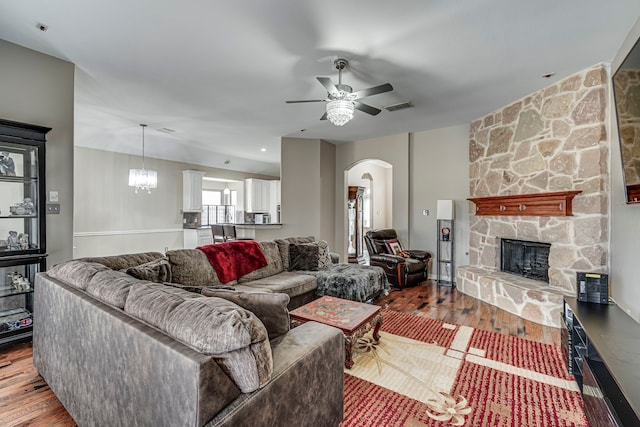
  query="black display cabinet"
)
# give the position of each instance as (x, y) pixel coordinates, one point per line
(22, 225)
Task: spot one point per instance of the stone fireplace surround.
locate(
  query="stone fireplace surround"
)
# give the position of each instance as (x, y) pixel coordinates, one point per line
(553, 140)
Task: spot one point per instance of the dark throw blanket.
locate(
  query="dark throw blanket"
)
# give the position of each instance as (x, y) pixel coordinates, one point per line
(232, 260)
(351, 281)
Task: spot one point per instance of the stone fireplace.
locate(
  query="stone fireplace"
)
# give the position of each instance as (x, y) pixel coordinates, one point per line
(553, 140)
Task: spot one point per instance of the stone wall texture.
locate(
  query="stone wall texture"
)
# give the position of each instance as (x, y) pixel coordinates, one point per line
(627, 93)
(553, 140)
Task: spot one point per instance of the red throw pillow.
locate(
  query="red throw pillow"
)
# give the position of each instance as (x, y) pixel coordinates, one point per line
(393, 246)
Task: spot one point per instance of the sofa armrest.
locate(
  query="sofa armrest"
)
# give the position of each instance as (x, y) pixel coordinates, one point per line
(335, 257)
(386, 259)
(307, 384)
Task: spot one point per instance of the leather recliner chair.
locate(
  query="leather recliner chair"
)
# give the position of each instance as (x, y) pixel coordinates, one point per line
(401, 271)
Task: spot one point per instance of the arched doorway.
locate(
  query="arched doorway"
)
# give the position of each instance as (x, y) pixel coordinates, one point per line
(373, 179)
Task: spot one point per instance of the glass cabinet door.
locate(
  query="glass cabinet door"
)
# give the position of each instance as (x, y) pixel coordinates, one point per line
(20, 230)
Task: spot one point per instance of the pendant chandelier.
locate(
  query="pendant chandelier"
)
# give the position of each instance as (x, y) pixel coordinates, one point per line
(143, 179)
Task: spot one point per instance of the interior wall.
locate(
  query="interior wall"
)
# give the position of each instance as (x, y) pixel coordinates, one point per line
(625, 219)
(439, 172)
(392, 149)
(38, 89)
(307, 196)
(110, 218)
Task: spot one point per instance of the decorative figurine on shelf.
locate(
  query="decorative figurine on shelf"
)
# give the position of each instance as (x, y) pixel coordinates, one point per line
(12, 241)
(29, 206)
(7, 166)
(23, 239)
(446, 232)
(18, 281)
(26, 207)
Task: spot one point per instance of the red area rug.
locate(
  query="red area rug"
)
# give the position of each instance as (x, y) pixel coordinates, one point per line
(426, 372)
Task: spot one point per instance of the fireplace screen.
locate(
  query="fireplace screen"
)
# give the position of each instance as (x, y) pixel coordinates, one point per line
(526, 259)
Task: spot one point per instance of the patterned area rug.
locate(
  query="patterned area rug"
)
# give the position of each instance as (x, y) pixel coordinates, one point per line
(426, 372)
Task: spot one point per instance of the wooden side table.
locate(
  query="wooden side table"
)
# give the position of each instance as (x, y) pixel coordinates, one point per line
(354, 319)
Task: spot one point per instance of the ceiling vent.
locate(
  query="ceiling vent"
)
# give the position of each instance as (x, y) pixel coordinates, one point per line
(400, 106)
(166, 130)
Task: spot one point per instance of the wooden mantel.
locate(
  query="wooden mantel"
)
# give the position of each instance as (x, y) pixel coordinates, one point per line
(540, 204)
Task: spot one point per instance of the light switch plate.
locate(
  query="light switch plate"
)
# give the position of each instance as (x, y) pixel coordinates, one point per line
(425, 212)
(53, 196)
(53, 208)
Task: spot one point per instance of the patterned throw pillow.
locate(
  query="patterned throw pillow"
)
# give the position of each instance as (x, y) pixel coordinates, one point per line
(309, 256)
(393, 246)
(283, 246)
(158, 271)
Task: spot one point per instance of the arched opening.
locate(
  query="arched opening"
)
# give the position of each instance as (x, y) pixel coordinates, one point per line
(370, 202)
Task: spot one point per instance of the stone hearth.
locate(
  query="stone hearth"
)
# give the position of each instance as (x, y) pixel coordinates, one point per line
(553, 140)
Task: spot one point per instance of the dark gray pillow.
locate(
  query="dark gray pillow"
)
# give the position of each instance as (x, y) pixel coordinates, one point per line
(283, 246)
(269, 307)
(158, 271)
(309, 256)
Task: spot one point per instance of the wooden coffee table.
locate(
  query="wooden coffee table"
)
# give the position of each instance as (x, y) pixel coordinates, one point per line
(354, 319)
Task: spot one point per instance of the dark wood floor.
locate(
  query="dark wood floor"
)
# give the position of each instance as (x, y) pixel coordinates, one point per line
(26, 400)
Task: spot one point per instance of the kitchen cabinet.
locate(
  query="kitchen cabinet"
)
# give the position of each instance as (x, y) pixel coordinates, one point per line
(274, 202)
(197, 237)
(256, 195)
(192, 191)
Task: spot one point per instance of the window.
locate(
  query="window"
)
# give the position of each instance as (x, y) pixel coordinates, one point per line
(214, 212)
(366, 208)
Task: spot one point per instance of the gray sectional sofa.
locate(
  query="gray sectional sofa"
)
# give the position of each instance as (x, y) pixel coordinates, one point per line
(119, 350)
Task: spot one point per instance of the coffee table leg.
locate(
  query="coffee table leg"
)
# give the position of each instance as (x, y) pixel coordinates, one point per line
(348, 351)
(376, 328)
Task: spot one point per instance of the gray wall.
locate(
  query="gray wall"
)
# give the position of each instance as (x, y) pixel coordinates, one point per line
(392, 149)
(307, 189)
(625, 219)
(38, 89)
(111, 219)
(440, 171)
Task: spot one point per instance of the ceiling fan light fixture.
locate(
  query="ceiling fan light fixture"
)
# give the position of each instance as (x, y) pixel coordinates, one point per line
(340, 111)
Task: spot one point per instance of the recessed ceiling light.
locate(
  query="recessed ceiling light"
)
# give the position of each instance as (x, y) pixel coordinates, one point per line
(263, 149)
(548, 75)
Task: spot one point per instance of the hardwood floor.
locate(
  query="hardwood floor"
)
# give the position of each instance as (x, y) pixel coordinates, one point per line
(26, 400)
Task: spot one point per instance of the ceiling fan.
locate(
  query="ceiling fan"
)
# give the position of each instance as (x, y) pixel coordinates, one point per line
(341, 100)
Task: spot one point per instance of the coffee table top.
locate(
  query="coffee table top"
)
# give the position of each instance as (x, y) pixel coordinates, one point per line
(340, 313)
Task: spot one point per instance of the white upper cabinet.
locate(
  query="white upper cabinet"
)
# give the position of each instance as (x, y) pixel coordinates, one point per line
(192, 191)
(257, 195)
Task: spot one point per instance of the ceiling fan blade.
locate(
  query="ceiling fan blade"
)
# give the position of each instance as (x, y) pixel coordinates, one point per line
(372, 91)
(324, 116)
(306, 100)
(367, 108)
(328, 85)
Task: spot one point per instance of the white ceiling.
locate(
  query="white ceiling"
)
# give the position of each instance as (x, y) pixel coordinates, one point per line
(219, 72)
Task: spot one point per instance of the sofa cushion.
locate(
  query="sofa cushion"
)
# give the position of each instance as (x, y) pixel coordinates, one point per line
(270, 308)
(192, 268)
(158, 271)
(283, 246)
(112, 287)
(234, 336)
(287, 282)
(274, 263)
(76, 273)
(309, 256)
(122, 262)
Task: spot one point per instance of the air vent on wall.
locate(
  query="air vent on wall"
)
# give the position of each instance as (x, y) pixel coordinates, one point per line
(400, 106)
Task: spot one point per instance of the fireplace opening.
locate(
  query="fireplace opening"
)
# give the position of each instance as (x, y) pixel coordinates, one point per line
(526, 259)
